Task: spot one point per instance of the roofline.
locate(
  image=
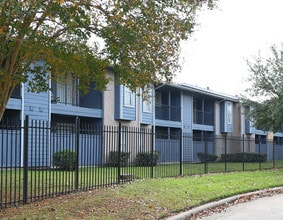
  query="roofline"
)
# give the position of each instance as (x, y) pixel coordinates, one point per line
(191, 88)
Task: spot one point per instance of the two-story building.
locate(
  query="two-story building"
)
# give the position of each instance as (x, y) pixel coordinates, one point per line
(173, 117)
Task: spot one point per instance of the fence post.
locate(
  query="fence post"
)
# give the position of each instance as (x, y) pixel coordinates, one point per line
(77, 153)
(259, 152)
(225, 160)
(181, 152)
(206, 152)
(152, 151)
(243, 141)
(25, 162)
(119, 153)
(273, 153)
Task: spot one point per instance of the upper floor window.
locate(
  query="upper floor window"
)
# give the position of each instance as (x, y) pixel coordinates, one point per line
(229, 113)
(129, 100)
(147, 102)
(158, 99)
(66, 91)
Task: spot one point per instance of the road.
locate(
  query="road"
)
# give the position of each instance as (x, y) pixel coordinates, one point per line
(259, 209)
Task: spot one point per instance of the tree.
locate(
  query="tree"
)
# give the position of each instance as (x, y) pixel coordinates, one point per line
(265, 101)
(140, 39)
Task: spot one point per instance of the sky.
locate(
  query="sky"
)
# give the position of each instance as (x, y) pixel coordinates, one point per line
(216, 53)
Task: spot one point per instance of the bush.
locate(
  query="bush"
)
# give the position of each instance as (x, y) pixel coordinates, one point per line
(246, 157)
(145, 159)
(65, 160)
(114, 158)
(206, 157)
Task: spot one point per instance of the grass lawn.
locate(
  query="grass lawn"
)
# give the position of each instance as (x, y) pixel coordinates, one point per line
(147, 198)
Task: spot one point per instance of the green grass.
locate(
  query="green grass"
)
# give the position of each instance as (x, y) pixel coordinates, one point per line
(46, 183)
(148, 198)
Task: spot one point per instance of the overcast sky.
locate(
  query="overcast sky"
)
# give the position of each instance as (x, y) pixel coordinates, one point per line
(215, 55)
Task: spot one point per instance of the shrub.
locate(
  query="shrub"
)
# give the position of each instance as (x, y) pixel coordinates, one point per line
(145, 159)
(246, 157)
(206, 157)
(114, 158)
(65, 160)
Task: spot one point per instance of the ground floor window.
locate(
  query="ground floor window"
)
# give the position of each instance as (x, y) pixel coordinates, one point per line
(200, 135)
(168, 133)
(11, 117)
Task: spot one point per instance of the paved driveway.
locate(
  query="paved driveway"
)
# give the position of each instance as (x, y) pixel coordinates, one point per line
(259, 205)
(270, 208)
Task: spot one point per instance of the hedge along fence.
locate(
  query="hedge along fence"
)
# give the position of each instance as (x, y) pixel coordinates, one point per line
(65, 160)
(146, 159)
(244, 157)
(206, 157)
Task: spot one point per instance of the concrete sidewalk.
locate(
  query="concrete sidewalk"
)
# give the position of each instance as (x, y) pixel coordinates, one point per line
(267, 207)
(259, 209)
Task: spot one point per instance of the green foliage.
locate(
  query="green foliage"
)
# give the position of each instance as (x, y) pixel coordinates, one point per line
(114, 158)
(246, 157)
(140, 39)
(65, 160)
(145, 159)
(263, 99)
(206, 157)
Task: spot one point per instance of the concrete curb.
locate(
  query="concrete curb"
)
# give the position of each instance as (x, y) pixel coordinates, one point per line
(194, 211)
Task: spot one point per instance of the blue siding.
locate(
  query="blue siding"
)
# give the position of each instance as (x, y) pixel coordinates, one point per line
(10, 153)
(77, 111)
(187, 114)
(15, 104)
(225, 126)
(278, 134)
(278, 152)
(203, 127)
(36, 105)
(147, 118)
(121, 111)
(117, 101)
(199, 146)
(129, 113)
(90, 147)
(187, 147)
(164, 123)
(169, 150)
(187, 108)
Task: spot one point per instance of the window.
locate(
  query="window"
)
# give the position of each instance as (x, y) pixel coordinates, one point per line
(175, 133)
(147, 102)
(158, 99)
(161, 132)
(260, 139)
(229, 113)
(67, 91)
(128, 97)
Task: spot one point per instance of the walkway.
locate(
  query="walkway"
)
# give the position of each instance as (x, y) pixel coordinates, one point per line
(260, 209)
(260, 205)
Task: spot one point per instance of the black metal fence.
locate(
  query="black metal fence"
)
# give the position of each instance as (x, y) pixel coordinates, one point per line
(42, 159)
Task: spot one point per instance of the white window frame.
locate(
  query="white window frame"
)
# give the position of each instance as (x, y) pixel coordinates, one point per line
(67, 91)
(129, 97)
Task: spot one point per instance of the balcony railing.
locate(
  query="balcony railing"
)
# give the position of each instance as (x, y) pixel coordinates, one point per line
(169, 113)
(67, 94)
(203, 118)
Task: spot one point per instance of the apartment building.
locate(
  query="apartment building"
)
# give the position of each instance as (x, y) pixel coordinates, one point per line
(197, 119)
